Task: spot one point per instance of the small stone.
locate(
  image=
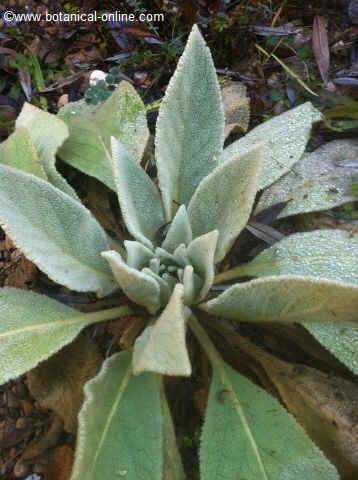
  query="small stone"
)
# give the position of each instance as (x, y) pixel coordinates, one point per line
(140, 77)
(21, 469)
(21, 423)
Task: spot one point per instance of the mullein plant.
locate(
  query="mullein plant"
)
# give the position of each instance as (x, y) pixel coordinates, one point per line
(170, 273)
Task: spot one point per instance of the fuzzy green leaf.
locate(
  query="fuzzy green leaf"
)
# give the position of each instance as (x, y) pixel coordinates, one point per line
(321, 180)
(190, 127)
(329, 254)
(138, 286)
(161, 348)
(54, 231)
(18, 151)
(138, 255)
(340, 339)
(48, 132)
(224, 199)
(179, 231)
(173, 467)
(287, 298)
(32, 328)
(120, 425)
(139, 199)
(257, 438)
(201, 253)
(285, 137)
(88, 147)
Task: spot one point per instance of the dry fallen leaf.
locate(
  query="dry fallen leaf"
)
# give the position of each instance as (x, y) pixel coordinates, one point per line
(16, 269)
(58, 382)
(325, 405)
(321, 47)
(60, 462)
(236, 106)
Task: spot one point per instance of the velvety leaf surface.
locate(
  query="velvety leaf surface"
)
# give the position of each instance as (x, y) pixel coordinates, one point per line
(138, 286)
(54, 231)
(162, 347)
(247, 434)
(88, 147)
(224, 199)
(327, 254)
(341, 340)
(201, 253)
(285, 137)
(33, 327)
(120, 425)
(319, 181)
(330, 254)
(173, 467)
(18, 151)
(48, 132)
(190, 127)
(179, 231)
(139, 198)
(288, 298)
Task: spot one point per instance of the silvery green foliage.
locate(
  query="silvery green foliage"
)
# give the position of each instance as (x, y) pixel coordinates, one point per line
(181, 232)
(88, 146)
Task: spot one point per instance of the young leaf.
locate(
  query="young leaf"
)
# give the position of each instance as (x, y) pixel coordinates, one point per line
(258, 438)
(34, 327)
(320, 180)
(285, 137)
(138, 286)
(179, 231)
(224, 199)
(138, 256)
(287, 298)
(18, 151)
(190, 127)
(54, 231)
(139, 199)
(120, 425)
(161, 348)
(201, 252)
(88, 147)
(48, 133)
(329, 254)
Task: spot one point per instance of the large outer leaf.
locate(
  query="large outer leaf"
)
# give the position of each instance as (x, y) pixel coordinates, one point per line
(138, 286)
(54, 231)
(88, 147)
(285, 136)
(120, 425)
(18, 151)
(190, 127)
(320, 180)
(287, 298)
(330, 254)
(162, 348)
(224, 199)
(32, 328)
(247, 434)
(139, 198)
(48, 132)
